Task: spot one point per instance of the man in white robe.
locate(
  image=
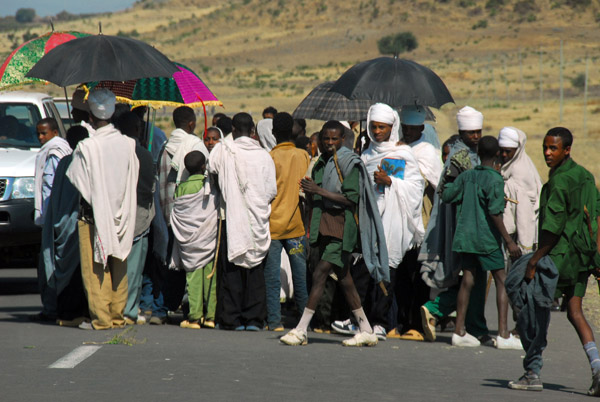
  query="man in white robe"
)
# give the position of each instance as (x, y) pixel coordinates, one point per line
(171, 168)
(246, 177)
(105, 171)
(522, 184)
(54, 148)
(400, 200)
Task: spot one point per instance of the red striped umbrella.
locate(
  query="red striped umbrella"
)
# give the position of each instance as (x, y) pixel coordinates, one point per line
(20, 61)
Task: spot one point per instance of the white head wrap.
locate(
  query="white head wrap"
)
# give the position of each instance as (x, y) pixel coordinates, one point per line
(264, 129)
(102, 103)
(469, 119)
(508, 138)
(221, 136)
(346, 124)
(384, 114)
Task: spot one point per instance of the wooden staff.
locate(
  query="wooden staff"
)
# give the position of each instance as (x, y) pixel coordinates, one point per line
(212, 273)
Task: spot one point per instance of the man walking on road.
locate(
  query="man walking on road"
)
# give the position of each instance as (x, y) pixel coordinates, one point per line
(569, 218)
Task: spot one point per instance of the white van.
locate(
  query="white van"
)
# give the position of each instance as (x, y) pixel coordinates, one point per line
(19, 113)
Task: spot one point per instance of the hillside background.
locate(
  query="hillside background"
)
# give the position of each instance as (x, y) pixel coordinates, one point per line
(500, 56)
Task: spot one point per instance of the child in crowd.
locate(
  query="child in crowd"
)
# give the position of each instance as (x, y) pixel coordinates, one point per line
(479, 195)
(194, 224)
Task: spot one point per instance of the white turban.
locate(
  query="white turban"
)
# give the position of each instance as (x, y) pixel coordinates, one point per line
(382, 113)
(469, 119)
(508, 138)
(102, 103)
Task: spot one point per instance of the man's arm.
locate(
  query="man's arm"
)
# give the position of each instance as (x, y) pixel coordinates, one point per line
(310, 187)
(547, 242)
(452, 192)
(513, 249)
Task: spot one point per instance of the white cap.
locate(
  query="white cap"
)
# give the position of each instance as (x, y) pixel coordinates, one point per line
(102, 103)
(469, 119)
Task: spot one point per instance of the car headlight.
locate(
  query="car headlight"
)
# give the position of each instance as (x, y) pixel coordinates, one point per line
(23, 187)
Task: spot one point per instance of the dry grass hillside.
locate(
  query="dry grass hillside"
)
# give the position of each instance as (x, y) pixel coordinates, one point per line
(501, 56)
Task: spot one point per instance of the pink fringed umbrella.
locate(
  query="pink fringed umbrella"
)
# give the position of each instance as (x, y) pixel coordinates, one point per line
(185, 87)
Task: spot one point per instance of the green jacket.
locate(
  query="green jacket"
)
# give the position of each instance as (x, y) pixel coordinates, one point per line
(569, 189)
(478, 193)
(350, 191)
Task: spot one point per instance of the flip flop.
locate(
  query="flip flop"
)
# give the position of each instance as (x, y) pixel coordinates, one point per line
(412, 335)
(394, 334)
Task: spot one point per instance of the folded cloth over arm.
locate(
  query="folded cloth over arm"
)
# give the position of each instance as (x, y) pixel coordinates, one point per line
(532, 301)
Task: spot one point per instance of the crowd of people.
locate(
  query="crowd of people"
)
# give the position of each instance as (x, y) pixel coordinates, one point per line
(385, 233)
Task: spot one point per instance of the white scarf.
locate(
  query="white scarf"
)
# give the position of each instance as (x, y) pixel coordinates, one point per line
(523, 184)
(179, 145)
(400, 204)
(58, 147)
(264, 129)
(105, 171)
(247, 181)
(429, 159)
(194, 224)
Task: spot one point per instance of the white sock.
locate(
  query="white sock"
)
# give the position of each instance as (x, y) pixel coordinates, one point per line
(361, 318)
(307, 315)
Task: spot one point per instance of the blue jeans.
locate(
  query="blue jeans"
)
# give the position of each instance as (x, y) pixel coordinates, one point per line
(296, 251)
(135, 267)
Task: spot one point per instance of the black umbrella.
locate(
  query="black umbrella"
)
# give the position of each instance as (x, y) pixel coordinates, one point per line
(323, 104)
(394, 82)
(101, 58)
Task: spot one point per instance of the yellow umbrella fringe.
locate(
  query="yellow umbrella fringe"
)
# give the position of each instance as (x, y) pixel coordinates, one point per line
(157, 104)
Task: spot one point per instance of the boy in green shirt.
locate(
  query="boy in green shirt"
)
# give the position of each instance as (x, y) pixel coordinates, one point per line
(479, 195)
(568, 233)
(194, 224)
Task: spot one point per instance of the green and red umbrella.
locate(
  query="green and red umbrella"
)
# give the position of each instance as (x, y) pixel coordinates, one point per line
(184, 87)
(20, 61)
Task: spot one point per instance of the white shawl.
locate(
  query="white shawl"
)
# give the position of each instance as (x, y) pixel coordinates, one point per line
(194, 224)
(429, 159)
(179, 145)
(105, 171)
(247, 182)
(522, 183)
(58, 147)
(400, 205)
(264, 129)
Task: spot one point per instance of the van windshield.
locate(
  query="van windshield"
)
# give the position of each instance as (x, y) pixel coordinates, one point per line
(17, 125)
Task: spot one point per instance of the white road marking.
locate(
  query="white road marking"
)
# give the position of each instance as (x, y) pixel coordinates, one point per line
(75, 357)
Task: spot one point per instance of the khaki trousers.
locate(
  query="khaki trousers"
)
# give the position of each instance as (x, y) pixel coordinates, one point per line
(105, 287)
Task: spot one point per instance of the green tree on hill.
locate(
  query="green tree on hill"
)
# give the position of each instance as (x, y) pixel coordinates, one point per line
(397, 43)
(25, 15)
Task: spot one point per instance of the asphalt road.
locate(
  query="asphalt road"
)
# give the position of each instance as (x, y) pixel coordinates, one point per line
(167, 363)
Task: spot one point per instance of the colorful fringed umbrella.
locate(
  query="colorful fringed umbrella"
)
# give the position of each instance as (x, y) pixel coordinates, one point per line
(184, 88)
(20, 61)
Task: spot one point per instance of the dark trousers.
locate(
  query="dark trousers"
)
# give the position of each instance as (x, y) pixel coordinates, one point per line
(411, 293)
(534, 337)
(72, 302)
(241, 292)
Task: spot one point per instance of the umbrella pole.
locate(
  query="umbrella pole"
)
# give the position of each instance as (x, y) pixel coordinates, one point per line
(151, 140)
(205, 118)
(147, 128)
(68, 106)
